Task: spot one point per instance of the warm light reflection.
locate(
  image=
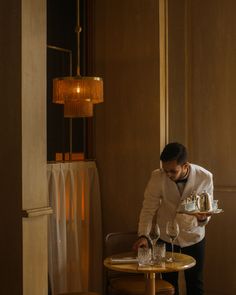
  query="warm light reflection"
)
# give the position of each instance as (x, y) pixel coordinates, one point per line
(69, 211)
(77, 203)
(82, 200)
(59, 157)
(77, 200)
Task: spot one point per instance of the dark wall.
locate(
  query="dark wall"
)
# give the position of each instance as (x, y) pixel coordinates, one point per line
(61, 32)
(11, 148)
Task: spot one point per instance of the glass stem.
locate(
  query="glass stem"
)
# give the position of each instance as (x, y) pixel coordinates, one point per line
(152, 252)
(172, 250)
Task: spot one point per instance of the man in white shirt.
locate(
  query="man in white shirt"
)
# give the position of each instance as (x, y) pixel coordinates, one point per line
(166, 189)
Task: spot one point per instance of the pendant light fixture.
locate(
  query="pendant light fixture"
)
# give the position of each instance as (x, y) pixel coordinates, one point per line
(78, 93)
(81, 109)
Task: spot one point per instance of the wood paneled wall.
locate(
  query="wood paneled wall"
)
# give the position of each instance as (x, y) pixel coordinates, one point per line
(202, 63)
(23, 245)
(127, 123)
(213, 91)
(33, 132)
(202, 67)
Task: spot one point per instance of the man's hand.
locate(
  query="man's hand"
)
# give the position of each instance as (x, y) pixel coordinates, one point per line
(141, 242)
(202, 217)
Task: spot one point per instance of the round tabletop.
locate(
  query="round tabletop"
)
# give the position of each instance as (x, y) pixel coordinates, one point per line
(127, 262)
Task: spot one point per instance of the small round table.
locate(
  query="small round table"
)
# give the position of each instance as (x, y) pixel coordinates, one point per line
(127, 262)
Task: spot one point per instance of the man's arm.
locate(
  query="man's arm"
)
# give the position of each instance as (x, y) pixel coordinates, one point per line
(142, 241)
(151, 203)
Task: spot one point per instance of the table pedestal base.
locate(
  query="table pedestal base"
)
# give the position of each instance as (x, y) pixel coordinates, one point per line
(150, 284)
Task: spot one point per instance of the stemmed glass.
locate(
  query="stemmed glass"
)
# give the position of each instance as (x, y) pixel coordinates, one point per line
(172, 231)
(154, 235)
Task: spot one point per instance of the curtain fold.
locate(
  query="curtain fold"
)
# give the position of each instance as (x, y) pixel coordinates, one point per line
(75, 231)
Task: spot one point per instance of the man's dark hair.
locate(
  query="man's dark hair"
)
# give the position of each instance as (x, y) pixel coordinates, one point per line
(174, 151)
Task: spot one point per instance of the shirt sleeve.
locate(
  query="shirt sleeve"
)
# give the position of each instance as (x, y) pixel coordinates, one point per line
(151, 202)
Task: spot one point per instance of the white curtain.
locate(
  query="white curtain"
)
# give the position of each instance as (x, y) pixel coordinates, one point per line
(75, 234)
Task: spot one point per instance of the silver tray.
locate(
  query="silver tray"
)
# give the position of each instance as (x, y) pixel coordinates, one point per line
(217, 211)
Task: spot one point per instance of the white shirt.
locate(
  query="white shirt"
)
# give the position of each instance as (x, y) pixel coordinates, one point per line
(163, 197)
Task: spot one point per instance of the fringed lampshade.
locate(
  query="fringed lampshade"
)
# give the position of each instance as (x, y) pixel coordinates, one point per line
(78, 88)
(77, 93)
(81, 109)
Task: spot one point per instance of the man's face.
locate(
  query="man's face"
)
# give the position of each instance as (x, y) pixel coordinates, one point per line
(175, 171)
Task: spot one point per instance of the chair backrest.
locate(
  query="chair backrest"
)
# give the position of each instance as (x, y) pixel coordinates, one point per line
(119, 242)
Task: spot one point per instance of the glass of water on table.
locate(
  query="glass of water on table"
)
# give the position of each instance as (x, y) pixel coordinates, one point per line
(172, 231)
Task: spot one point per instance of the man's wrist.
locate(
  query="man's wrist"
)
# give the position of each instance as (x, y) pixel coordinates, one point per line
(202, 220)
(147, 239)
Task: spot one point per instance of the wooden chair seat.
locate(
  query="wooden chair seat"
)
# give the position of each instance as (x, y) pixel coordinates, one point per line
(135, 285)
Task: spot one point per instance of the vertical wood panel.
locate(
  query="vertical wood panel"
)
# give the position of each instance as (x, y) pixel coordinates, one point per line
(23, 160)
(34, 103)
(164, 77)
(34, 190)
(127, 123)
(214, 143)
(209, 81)
(213, 88)
(178, 70)
(221, 243)
(35, 256)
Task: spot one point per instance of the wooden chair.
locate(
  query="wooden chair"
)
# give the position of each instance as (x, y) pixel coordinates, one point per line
(117, 283)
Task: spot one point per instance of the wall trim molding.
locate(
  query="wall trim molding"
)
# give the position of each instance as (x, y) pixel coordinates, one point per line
(37, 212)
(225, 188)
(163, 57)
(187, 77)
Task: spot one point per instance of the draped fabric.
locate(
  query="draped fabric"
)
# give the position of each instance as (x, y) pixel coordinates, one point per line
(75, 234)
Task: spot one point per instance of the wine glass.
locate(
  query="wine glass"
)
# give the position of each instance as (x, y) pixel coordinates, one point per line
(154, 235)
(172, 231)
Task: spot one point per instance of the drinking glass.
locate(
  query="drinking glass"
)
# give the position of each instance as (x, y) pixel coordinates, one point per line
(154, 235)
(144, 256)
(172, 231)
(160, 253)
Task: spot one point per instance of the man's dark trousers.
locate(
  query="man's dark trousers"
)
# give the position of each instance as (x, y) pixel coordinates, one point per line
(194, 275)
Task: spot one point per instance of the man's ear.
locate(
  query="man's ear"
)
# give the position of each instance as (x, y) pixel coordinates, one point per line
(186, 165)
